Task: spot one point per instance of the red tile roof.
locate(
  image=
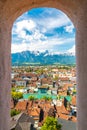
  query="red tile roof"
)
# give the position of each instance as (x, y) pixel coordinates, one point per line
(21, 105)
(74, 100)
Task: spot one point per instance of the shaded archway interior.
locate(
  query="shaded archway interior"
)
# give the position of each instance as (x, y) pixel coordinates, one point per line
(67, 9)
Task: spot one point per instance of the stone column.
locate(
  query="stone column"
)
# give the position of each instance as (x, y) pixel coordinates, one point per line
(5, 72)
(81, 55)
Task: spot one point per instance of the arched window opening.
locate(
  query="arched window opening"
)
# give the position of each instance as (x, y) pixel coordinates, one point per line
(43, 63)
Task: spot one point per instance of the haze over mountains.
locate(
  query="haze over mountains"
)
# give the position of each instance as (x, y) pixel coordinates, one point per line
(42, 58)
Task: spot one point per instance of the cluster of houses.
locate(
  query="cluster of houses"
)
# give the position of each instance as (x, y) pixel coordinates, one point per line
(59, 84)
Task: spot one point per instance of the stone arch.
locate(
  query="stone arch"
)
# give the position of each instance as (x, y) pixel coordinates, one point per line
(76, 11)
(13, 12)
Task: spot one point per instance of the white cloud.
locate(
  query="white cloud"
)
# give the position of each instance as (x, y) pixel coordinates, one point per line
(36, 39)
(37, 35)
(21, 27)
(69, 28)
(53, 22)
(22, 34)
(19, 47)
(25, 24)
(72, 50)
(39, 45)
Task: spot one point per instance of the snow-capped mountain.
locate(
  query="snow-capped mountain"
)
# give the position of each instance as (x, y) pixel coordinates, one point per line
(45, 57)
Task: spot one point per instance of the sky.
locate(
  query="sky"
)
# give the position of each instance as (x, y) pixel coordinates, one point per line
(42, 29)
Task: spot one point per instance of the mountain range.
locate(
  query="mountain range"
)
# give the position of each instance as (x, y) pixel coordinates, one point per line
(42, 58)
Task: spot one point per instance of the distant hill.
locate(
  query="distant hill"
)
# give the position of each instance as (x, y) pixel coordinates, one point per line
(42, 58)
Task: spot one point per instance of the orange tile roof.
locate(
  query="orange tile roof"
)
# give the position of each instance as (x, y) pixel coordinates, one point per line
(34, 112)
(63, 116)
(62, 109)
(21, 105)
(74, 100)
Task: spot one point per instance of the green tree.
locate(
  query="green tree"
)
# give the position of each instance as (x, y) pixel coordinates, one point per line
(46, 98)
(59, 97)
(14, 112)
(31, 98)
(51, 124)
(17, 95)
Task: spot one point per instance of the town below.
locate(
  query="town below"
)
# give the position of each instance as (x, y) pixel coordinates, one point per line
(43, 93)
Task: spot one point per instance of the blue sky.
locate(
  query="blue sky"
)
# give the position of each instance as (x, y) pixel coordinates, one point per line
(43, 29)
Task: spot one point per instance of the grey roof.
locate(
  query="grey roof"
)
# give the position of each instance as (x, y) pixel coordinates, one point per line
(23, 126)
(24, 122)
(26, 118)
(14, 120)
(67, 125)
(21, 119)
